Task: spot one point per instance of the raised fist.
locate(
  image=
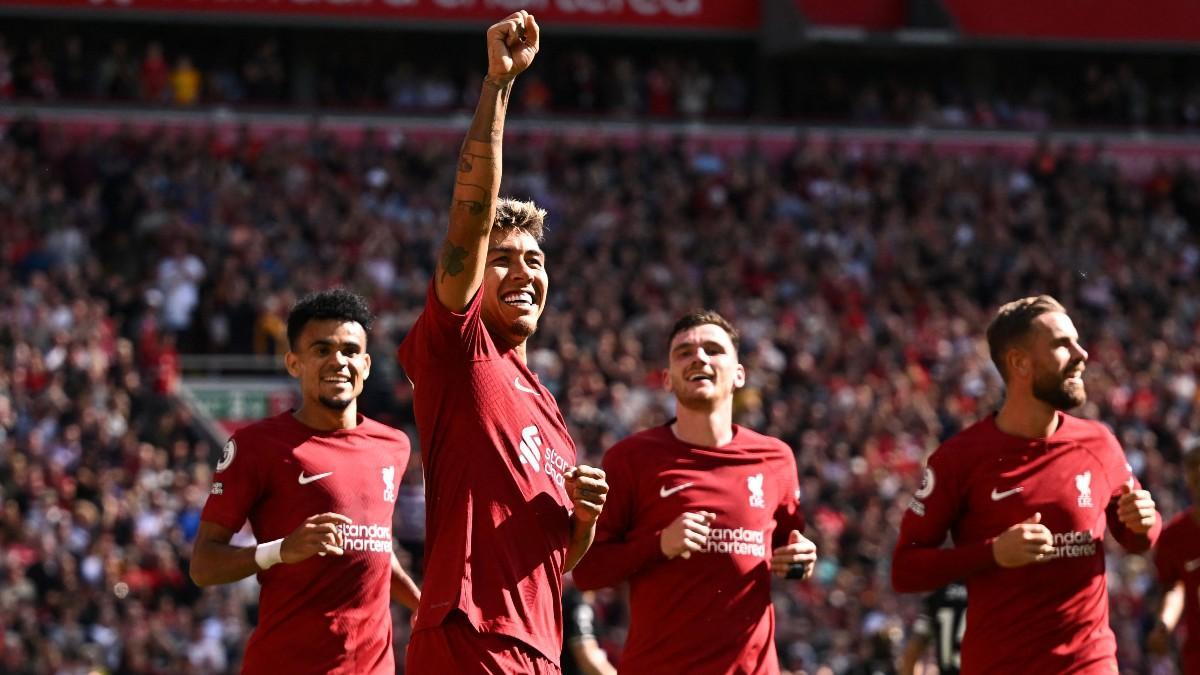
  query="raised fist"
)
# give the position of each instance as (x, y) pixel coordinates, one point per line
(512, 44)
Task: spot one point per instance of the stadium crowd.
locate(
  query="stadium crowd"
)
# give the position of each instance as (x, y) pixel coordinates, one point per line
(861, 284)
(667, 81)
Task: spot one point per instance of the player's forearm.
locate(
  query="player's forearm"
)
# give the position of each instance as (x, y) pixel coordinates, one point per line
(1171, 607)
(215, 563)
(473, 204)
(912, 654)
(1134, 542)
(582, 536)
(920, 569)
(611, 563)
(404, 589)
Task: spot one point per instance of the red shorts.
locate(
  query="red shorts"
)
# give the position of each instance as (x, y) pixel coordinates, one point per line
(456, 647)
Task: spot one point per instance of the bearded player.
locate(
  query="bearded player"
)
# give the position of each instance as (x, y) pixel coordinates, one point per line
(318, 486)
(1177, 558)
(1026, 495)
(702, 511)
(507, 510)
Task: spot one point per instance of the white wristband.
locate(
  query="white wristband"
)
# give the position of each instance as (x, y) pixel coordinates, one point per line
(267, 555)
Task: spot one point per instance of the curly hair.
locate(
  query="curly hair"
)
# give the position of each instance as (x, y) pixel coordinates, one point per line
(514, 214)
(334, 303)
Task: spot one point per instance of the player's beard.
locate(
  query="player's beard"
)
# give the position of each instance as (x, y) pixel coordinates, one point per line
(1054, 389)
(335, 403)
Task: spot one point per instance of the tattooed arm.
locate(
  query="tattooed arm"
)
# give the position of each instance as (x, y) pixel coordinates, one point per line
(512, 44)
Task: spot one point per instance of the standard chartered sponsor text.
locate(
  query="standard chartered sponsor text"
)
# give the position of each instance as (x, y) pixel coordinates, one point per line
(1077, 544)
(736, 541)
(371, 538)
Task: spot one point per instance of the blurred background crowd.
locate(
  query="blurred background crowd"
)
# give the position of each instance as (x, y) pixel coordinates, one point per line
(861, 284)
(861, 280)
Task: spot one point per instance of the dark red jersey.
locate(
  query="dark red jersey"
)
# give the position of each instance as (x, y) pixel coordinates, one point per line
(494, 447)
(326, 614)
(1177, 558)
(711, 612)
(1045, 618)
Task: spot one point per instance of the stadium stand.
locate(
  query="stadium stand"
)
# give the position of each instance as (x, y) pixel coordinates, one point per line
(137, 252)
(860, 282)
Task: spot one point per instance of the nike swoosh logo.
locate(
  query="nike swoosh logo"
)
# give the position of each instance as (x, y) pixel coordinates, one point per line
(305, 480)
(664, 492)
(1192, 565)
(521, 387)
(997, 496)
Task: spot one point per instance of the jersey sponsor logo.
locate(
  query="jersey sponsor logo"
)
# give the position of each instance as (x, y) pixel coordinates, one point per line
(665, 492)
(927, 482)
(389, 483)
(736, 541)
(997, 495)
(369, 538)
(227, 454)
(305, 480)
(218, 488)
(1083, 483)
(532, 454)
(1076, 544)
(917, 507)
(755, 485)
(531, 447)
(522, 387)
(1192, 565)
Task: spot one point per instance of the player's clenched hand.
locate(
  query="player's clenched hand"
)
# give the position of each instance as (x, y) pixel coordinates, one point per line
(800, 551)
(1023, 543)
(317, 535)
(1135, 508)
(512, 44)
(689, 532)
(588, 489)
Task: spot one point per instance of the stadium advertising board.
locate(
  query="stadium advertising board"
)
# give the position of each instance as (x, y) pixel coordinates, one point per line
(710, 15)
(1155, 21)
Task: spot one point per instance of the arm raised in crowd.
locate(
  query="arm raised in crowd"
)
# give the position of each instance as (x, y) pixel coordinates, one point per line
(512, 45)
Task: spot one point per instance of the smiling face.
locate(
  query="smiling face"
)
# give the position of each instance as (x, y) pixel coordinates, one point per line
(514, 285)
(703, 369)
(1055, 362)
(330, 360)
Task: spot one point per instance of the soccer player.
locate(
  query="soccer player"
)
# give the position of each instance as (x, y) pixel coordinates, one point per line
(1026, 495)
(942, 623)
(582, 654)
(318, 486)
(1177, 558)
(701, 512)
(507, 510)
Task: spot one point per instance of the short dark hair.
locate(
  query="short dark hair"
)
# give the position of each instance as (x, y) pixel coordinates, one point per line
(1012, 324)
(514, 214)
(704, 317)
(334, 303)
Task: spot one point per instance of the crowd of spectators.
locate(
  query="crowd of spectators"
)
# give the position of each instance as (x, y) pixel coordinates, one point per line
(861, 284)
(672, 81)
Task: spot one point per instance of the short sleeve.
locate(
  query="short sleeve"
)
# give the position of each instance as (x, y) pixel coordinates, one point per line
(237, 486)
(935, 505)
(440, 334)
(1119, 471)
(1166, 563)
(788, 514)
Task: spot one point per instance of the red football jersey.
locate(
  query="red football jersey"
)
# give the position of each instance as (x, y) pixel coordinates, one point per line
(494, 447)
(711, 612)
(326, 614)
(1049, 617)
(1177, 557)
